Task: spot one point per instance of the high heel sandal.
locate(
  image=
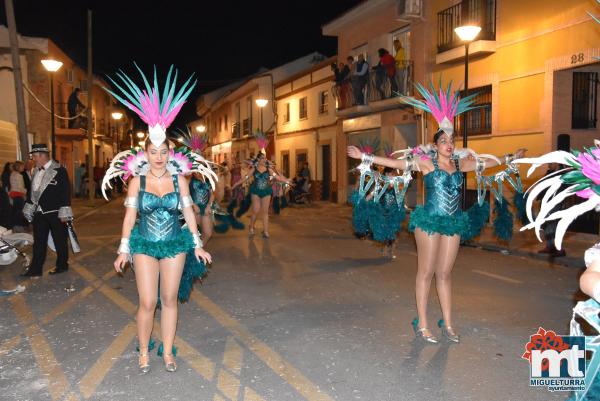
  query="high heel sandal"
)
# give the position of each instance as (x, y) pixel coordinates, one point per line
(170, 366)
(265, 234)
(421, 333)
(448, 332)
(251, 231)
(144, 367)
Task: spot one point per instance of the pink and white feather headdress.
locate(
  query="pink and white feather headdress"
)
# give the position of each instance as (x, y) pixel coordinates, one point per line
(156, 110)
(443, 105)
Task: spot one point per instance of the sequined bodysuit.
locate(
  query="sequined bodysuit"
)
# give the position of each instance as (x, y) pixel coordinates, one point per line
(200, 192)
(261, 186)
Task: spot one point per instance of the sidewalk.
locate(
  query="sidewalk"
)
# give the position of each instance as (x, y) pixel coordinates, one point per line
(84, 207)
(526, 244)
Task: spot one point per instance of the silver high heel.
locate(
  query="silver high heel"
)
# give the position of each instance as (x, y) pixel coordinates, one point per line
(144, 368)
(448, 331)
(265, 234)
(170, 366)
(420, 333)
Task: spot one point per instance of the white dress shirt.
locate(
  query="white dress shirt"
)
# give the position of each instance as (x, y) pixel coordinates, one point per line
(39, 174)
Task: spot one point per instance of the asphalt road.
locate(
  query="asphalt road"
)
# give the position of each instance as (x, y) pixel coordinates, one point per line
(310, 314)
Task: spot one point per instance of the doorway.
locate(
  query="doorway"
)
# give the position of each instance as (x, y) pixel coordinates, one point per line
(326, 184)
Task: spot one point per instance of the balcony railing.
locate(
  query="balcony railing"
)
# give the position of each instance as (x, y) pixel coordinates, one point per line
(378, 86)
(476, 12)
(235, 130)
(61, 109)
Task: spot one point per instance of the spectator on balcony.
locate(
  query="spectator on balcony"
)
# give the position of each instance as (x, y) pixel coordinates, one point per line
(401, 67)
(385, 73)
(342, 82)
(75, 106)
(360, 77)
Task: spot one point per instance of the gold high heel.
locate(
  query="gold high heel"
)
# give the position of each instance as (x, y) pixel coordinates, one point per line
(448, 331)
(144, 366)
(170, 366)
(420, 333)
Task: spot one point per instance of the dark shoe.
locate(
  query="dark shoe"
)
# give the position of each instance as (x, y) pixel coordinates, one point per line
(56, 270)
(28, 273)
(547, 250)
(559, 254)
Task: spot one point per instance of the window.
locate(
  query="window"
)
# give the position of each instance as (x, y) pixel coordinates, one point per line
(302, 110)
(479, 120)
(226, 123)
(249, 112)
(69, 73)
(585, 100)
(220, 124)
(286, 114)
(323, 102)
(285, 161)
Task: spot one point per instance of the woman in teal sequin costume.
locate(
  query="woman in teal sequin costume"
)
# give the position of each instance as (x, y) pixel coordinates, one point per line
(161, 249)
(261, 190)
(437, 225)
(203, 197)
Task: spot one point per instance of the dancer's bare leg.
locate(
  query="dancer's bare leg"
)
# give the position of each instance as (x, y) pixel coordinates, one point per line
(446, 256)
(255, 210)
(146, 277)
(206, 227)
(427, 246)
(170, 275)
(264, 213)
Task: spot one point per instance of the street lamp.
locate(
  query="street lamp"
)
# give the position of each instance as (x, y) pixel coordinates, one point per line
(466, 33)
(52, 66)
(201, 128)
(261, 103)
(117, 115)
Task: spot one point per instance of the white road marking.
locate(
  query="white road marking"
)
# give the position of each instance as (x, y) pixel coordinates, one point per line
(497, 276)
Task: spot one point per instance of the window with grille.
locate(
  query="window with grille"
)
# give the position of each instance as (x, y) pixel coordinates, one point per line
(323, 102)
(479, 120)
(585, 100)
(302, 109)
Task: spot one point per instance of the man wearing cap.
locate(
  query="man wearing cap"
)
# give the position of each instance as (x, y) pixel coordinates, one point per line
(49, 208)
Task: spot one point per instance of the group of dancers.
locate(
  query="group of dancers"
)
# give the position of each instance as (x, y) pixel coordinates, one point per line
(166, 183)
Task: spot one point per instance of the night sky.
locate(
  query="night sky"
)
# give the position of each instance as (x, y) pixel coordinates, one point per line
(220, 41)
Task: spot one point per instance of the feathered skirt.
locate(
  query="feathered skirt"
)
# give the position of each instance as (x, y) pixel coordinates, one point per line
(182, 243)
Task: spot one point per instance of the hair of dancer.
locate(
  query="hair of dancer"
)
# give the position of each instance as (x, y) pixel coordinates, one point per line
(167, 257)
(579, 177)
(200, 188)
(438, 224)
(262, 172)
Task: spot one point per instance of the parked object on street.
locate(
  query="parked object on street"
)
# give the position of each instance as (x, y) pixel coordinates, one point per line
(10, 244)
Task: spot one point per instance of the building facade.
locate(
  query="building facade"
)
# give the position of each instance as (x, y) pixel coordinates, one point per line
(533, 66)
(306, 128)
(71, 134)
(231, 115)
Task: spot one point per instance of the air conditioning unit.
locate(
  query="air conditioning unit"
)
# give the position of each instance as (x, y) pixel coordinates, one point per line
(406, 9)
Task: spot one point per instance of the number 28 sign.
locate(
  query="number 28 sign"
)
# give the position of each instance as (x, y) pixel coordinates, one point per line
(577, 58)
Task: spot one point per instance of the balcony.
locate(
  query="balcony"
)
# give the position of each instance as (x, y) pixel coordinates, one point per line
(378, 93)
(476, 12)
(72, 129)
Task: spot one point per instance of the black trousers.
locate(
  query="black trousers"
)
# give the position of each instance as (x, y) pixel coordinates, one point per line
(42, 225)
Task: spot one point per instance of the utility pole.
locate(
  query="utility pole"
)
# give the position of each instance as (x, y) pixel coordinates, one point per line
(22, 139)
(90, 82)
